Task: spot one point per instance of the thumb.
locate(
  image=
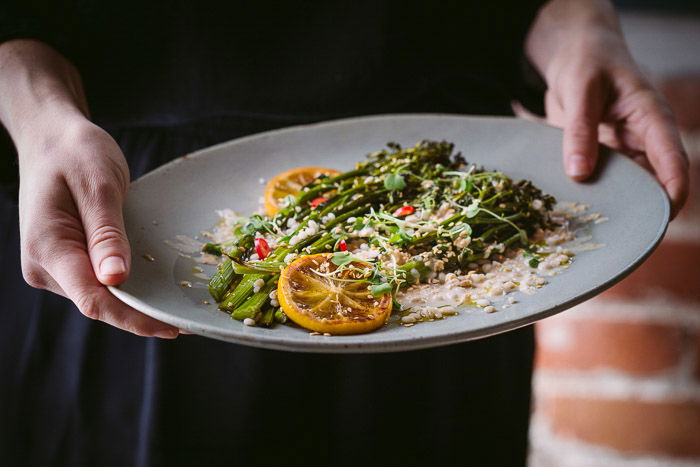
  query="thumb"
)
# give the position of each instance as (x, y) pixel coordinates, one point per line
(583, 106)
(107, 243)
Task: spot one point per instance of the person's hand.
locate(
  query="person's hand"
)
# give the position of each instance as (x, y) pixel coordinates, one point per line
(596, 93)
(73, 181)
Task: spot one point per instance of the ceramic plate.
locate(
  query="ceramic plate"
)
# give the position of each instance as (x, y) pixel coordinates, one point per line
(181, 197)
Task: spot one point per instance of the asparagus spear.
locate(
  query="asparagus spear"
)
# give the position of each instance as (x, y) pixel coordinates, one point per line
(254, 303)
(222, 280)
(224, 277)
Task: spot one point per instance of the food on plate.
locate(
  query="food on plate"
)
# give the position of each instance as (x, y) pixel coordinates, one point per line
(320, 295)
(289, 183)
(410, 231)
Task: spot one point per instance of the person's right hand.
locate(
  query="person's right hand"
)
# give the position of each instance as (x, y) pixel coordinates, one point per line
(73, 182)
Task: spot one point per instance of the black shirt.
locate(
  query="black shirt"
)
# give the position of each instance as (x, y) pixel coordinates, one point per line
(168, 62)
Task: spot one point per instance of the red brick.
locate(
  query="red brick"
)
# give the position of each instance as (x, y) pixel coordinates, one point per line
(697, 355)
(691, 210)
(633, 348)
(683, 95)
(673, 270)
(670, 428)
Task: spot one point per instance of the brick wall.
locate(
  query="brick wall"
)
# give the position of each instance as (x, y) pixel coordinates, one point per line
(617, 380)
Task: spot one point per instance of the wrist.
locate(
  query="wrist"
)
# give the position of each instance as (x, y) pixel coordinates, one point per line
(47, 128)
(39, 88)
(563, 27)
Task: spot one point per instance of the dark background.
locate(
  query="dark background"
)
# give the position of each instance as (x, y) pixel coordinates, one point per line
(9, 179)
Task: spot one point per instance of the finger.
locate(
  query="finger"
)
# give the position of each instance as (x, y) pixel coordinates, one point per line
(608, 135)
(37, 277)
(72, 271)
(523, 112)
(583, 105)
(553, 109)
(642, 160)
(668, 158)
(103, 223)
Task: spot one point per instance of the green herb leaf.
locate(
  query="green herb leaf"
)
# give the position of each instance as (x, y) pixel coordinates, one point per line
(341, 257)
(212, 249)
(459, 228)
(394, 182)
(472, 209)
(400, 237)
(359, 224)
(289, 201)
(378, 290)
(257, 223)
(533, 260)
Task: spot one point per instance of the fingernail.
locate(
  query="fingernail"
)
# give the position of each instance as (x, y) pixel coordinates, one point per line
(166, 334)
(112, 265)
(577, 165)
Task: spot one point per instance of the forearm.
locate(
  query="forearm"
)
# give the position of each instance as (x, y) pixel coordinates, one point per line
(37, 86)
(561, 21)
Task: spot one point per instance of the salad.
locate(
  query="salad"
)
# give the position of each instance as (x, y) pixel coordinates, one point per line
(339, 253)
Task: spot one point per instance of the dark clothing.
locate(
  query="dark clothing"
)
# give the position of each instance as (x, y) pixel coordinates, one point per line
(169, 62)
(168, 80)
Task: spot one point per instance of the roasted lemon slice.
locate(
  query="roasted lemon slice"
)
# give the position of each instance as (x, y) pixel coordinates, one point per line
(290, 183)
(316, 294)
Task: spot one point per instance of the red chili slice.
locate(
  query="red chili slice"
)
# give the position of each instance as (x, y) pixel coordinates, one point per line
(317, 201)
(261, 247)
(404, 211)
(342, 246)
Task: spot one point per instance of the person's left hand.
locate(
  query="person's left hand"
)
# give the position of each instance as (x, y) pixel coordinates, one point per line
(597, 93)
